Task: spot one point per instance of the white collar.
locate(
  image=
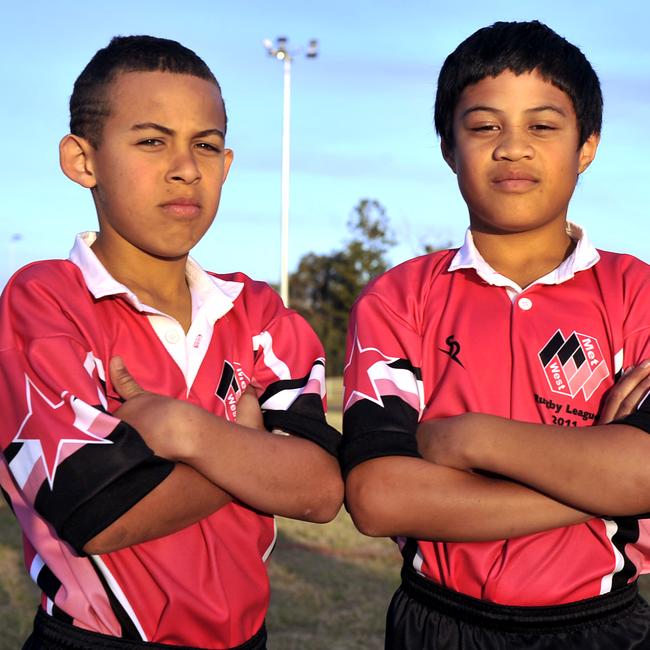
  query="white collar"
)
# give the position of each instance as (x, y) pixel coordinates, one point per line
(583, 257)
(218, 295)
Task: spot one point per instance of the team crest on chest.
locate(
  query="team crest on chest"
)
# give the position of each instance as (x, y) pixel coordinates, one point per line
(574, 363)
(232, 382)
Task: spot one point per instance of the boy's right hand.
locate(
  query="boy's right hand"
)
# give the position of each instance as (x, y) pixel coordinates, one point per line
(159, 420)
(249, 413)
(626, 394)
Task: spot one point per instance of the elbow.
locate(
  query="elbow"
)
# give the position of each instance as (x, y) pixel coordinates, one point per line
(326, 503)
(368, 505)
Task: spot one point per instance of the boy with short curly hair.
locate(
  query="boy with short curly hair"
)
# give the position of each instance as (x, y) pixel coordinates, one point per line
(148, 523)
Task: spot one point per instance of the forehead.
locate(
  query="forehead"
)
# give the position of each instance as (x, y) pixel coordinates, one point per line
(165, 98)
(509, 92)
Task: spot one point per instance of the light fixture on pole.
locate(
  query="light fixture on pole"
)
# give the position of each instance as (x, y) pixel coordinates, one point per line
(281, 52)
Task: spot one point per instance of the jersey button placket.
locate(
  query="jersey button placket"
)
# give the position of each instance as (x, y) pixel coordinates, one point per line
(525, 304)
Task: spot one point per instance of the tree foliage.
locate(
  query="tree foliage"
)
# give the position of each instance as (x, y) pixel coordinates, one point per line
(325, 286)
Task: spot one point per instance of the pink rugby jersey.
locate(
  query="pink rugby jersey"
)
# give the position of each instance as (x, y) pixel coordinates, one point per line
(68, 468)
(445, 334)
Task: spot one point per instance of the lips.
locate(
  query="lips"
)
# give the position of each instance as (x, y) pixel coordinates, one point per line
(514, 180)
(182, 207)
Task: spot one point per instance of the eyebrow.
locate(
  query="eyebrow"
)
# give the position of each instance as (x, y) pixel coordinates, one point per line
(144, 126)
(536, 109)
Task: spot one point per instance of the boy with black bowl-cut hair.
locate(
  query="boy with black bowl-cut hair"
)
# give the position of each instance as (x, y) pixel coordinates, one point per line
(526, 321)
(148, 522)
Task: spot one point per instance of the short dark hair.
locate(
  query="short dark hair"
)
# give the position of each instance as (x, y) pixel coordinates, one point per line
(519, 47)
(90, 99)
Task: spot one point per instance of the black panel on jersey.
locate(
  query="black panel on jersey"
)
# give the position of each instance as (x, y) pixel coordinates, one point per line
(371, 431)
(639, 419)
(286, 384)
(99, 483)
(128, 628)
(12, 450)
(627, 533)
(48, 582)
(305, 418)
(405, 364)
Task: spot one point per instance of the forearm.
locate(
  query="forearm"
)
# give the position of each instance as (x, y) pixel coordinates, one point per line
(183, 498)
(600, 469)
(404, 496)
(279, 474)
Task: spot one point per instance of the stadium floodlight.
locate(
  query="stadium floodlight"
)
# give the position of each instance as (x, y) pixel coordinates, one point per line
(280, 51)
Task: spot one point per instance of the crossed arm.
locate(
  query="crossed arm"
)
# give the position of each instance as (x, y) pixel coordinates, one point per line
(216, 462)
(559, 476)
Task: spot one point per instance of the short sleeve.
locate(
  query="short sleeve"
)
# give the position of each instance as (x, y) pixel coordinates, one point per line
(637, 349)
(289, 375)
(636, 334)
(383, 393)
(77, 465)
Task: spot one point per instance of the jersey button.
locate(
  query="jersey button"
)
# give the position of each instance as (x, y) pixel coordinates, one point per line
(525, 303)
(172, 336)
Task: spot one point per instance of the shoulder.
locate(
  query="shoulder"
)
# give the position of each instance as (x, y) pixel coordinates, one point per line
(256, 299)
(623, 262)
(240, 287)
(622, 271)
(43, 279)
(41, 300)
(413, 278)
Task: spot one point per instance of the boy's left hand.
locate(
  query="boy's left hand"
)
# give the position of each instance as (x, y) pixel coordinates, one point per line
(626, 394)
(440, 441)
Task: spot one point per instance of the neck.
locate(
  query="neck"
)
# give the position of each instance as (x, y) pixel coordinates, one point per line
(157, 282)
(525, 256)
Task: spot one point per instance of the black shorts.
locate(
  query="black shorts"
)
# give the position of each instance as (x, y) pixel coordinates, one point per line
(53, 634)
(425, 616)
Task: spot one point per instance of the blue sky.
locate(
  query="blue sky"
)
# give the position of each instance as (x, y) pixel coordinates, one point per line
(362, 118)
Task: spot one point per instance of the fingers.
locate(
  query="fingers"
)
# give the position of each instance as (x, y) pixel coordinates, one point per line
(625, 396)
(249, 413)
(123, 382)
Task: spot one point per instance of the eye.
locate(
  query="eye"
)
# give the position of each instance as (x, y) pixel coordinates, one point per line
(208, 147)
(543, 127)
(150, 142)
(484, 128)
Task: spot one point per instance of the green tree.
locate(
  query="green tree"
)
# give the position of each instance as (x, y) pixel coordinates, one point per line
(325, 286)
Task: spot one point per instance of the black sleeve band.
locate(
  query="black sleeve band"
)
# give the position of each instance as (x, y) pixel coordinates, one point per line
(376, 444)
(114, 501)
(99, 483)
(316, 430)
(373, 431)
(639, 419)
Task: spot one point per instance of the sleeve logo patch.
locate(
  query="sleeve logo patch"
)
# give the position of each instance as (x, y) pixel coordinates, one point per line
(573, 364)
(232, 382)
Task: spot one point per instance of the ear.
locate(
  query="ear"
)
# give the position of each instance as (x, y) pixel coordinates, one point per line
(588, 152)
(76, 160)
(448, 155)
(228, 156)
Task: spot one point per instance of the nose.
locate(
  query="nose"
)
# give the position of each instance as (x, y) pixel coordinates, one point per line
(183, 167)
(514, 144)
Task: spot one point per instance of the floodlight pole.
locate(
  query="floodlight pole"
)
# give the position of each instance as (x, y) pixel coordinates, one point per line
(280, 51)
(285, 183)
